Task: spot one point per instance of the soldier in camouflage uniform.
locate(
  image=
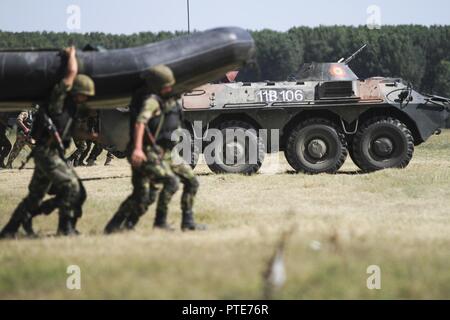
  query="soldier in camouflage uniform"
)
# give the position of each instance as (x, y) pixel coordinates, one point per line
(84, 146)
(24, 124)
(96, 152)
(83, 123)
(5, 145)
(146, 162)
(190, 187)
(162, 114)
(81, 147)
(51, 171)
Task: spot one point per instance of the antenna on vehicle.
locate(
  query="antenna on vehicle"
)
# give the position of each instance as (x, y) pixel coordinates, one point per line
(188, 17)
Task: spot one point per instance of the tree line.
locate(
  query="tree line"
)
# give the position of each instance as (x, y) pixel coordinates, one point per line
(418, 54)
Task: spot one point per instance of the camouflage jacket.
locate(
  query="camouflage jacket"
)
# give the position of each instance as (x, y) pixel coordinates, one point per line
(63, 112)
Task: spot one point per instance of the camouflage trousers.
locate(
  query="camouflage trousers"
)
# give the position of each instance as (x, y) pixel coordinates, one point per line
(5, 145)
(21, 141)
(81, 150)
(185, 174)
(153, 170)
(51, 173)
(97, 151)
(187, 177)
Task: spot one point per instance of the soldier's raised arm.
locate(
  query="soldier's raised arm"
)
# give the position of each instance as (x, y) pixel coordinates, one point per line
(72, 67)
(21, 121)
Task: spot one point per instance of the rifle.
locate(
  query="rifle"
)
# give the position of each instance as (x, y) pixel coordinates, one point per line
(51, 128)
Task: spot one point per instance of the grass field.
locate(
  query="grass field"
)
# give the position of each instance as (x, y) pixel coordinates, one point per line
(396, 219)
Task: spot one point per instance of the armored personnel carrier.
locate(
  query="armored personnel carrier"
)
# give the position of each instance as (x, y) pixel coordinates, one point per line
(323, 114)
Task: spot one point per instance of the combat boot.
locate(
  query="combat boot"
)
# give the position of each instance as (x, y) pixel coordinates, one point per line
(65, 227)
(161, 222)
(76, 163)
(115, 224)
(108, 161)
(132, 221)
(45, 208)
(188, 223)
(2, 164)
(10, 230)
(71, 161)
(27, 225)
(74, 226)
(13, 225)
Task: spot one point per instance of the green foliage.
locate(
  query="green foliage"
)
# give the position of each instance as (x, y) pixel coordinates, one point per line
(442, 83)
(416, 53)
(277, 55)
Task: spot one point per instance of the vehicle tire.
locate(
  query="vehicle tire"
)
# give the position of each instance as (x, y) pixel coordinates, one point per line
(381, 143)
(243, 162)
(316, 146)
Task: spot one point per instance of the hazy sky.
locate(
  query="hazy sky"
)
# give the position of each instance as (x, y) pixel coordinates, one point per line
(129, 16)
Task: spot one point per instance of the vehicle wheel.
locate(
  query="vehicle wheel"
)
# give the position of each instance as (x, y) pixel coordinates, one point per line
(381, 143)
(316, 146)
(238, 148)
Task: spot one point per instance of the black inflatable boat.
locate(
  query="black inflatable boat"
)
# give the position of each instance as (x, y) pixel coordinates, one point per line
(27, 76)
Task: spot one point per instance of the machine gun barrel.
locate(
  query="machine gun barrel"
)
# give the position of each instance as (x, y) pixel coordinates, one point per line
(349, 59)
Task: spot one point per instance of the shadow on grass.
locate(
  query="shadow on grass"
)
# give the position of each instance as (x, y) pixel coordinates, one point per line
(104, 178)
(289, 172)
(206, 174)
(346, 173)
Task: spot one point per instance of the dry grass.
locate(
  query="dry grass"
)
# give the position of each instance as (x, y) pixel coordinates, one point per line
(397, 219)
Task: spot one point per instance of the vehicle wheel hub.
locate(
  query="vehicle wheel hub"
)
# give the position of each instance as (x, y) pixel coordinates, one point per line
(317, 148)
(234, 151)
(383, 147)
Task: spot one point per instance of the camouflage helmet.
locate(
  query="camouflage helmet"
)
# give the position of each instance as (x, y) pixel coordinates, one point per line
(159, 76)
(83, 85)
